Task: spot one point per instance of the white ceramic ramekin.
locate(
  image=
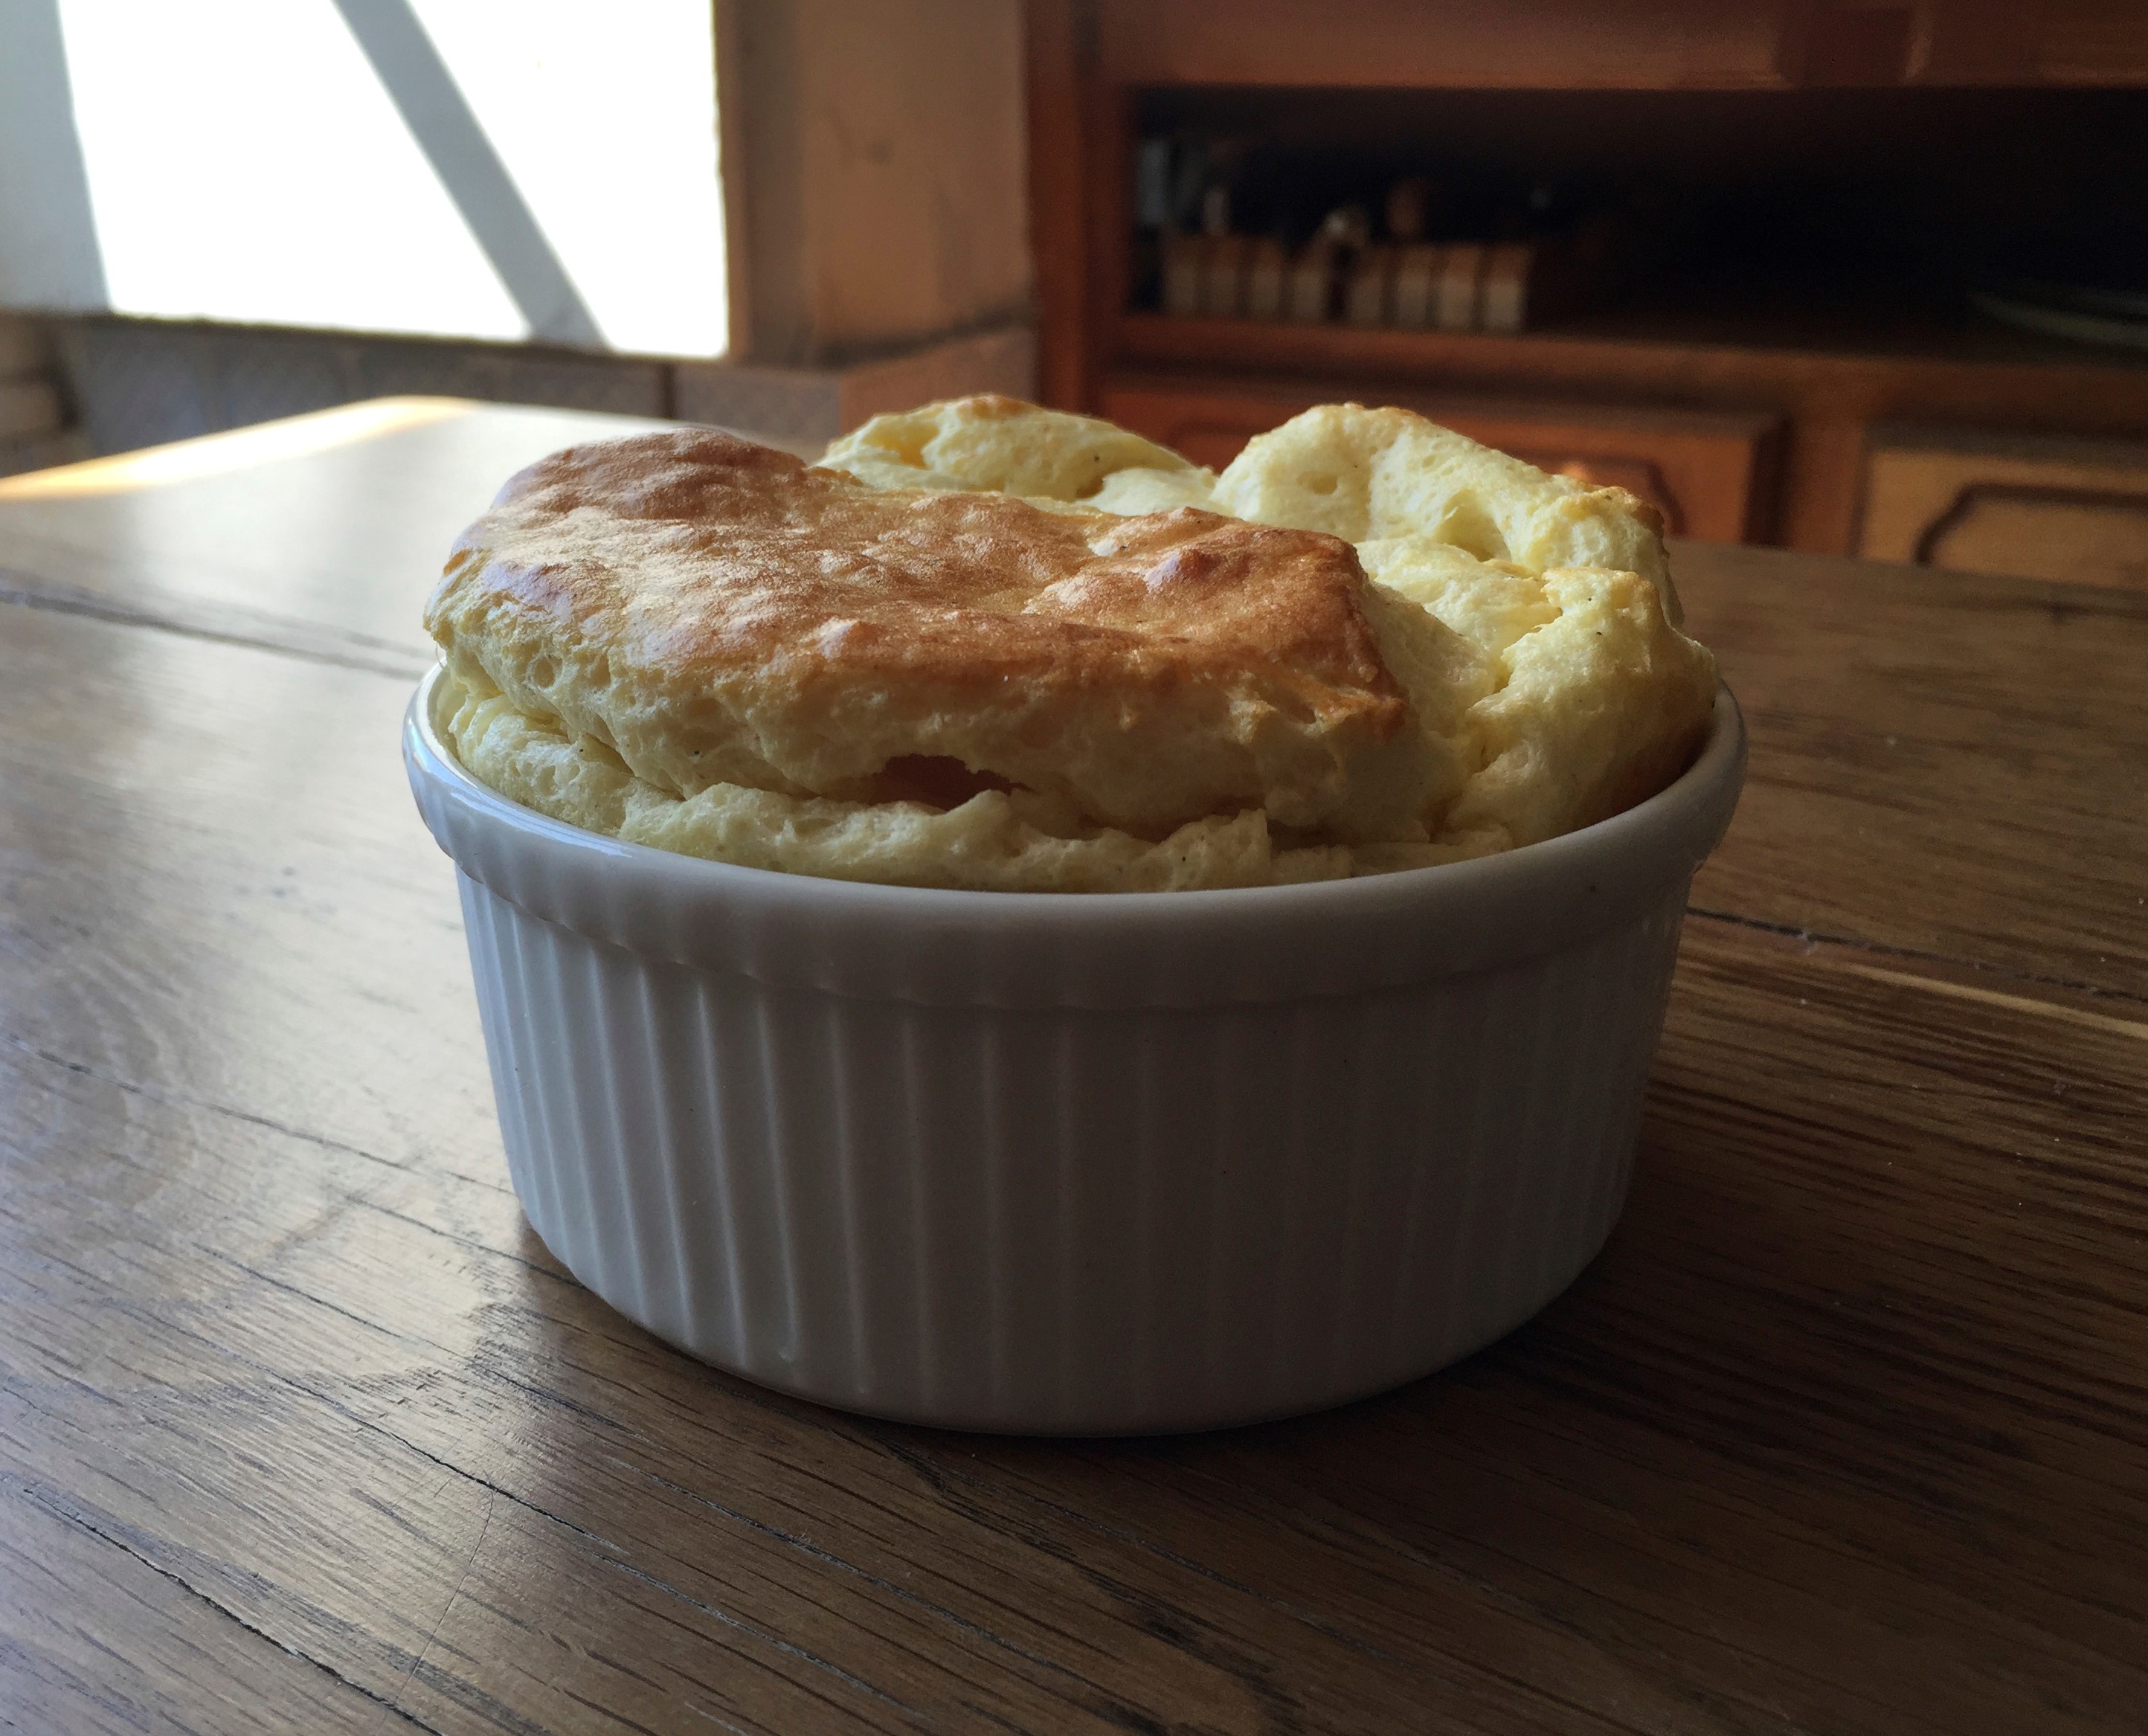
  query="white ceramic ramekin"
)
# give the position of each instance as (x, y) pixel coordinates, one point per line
(1072, 1164)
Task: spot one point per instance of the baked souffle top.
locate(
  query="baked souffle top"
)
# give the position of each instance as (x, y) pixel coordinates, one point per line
(991, 646)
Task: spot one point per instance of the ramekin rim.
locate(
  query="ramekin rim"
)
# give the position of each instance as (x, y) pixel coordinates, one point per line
(1720, 755)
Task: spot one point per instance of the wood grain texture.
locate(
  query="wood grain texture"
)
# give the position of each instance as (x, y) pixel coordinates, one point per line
(1944, 765)
(301, 1427)
(305, 549)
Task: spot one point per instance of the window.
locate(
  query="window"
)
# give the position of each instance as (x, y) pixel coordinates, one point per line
(507, 169)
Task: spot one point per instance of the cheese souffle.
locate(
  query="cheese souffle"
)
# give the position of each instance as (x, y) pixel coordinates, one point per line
(990, 646)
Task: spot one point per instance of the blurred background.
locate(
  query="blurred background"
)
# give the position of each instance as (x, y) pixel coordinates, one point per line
(1850, 278)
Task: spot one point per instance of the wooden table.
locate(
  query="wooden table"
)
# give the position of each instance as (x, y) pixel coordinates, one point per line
(302, 1429)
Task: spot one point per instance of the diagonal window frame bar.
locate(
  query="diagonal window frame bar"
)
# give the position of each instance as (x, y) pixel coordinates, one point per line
(418, 82)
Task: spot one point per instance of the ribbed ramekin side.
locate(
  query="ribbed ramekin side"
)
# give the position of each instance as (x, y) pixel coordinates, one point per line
(1068, 1219)
(499, 1016)
(575, 1158)
(651, 1154)
(517, 1041)
(1633, 970)
(1479, 1135)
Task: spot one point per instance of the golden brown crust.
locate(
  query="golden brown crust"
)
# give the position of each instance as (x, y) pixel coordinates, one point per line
(716, 611)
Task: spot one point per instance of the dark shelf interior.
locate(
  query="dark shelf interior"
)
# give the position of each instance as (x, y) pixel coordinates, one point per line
(1854, 217)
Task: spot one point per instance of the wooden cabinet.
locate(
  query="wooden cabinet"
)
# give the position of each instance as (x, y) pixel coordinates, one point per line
(1708, 471)
(1753, 403)
(2028, 507)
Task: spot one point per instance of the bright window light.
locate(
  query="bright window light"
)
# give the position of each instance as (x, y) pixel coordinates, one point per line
(605, 116)
(482, 168)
